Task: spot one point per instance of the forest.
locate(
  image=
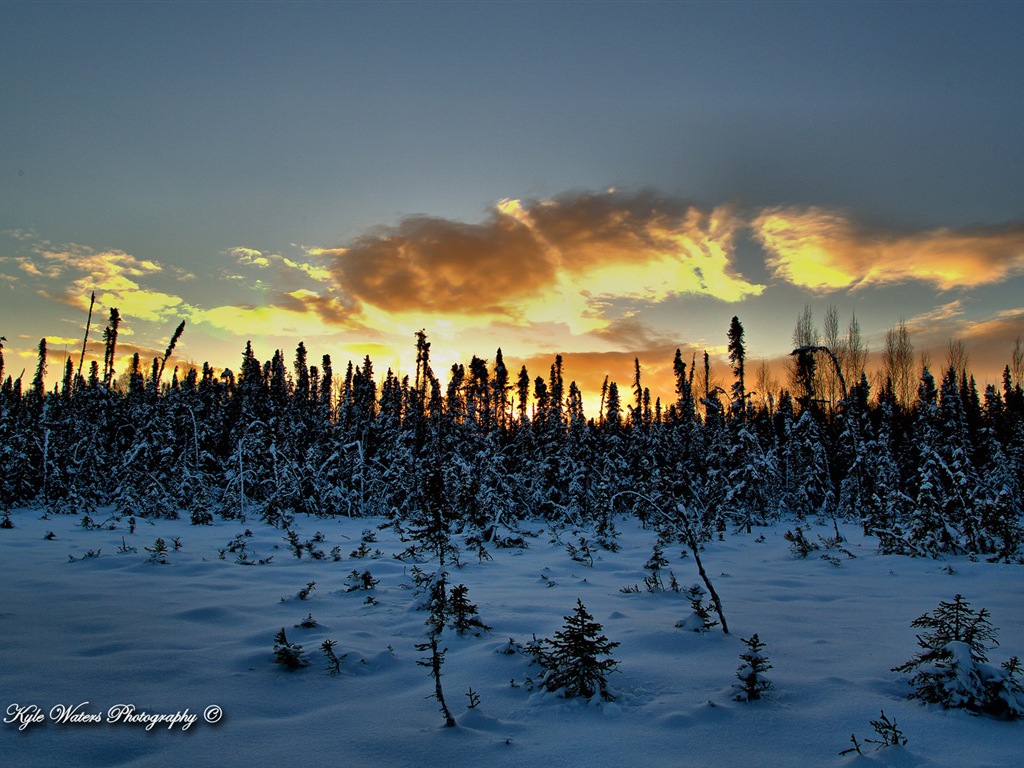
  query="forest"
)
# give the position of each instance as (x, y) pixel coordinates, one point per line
(928, 472)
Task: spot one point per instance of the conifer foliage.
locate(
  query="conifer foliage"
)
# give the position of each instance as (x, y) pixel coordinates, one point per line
(576, 661)
(287, 653)
(485, 452)
(952, 668)
(752, 685)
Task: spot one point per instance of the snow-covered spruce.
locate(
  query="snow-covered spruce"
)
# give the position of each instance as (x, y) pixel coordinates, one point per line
(287, 653)
(700, 620)
(576, 662)
(752, 685)
(952, 668)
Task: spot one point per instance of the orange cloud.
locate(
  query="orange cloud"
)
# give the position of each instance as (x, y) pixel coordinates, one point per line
(444, 266)
(545, 261)
(825, 251)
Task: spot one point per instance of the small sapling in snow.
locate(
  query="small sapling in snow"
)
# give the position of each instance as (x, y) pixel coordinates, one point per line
(799, 544)
(582, 554)
(464, 613)
(356, 581)
(477, 544)
(700, 620)
(655, 564)
(434, 662)
(576, 662)
(752, 685)
(158, 552)
(510, 648)
(288, 653)
(125, 547)
(292, 539)
(333, 660)
(952, 668)
(889, 735)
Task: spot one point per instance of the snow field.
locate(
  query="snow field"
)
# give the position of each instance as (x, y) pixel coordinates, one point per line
(199, 631)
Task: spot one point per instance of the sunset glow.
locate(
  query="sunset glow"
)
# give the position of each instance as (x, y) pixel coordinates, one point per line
(610, 203)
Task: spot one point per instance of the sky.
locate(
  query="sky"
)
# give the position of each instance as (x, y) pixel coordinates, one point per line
(605, 181)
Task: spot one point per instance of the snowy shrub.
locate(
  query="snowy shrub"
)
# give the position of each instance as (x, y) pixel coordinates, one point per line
(201, 517)
(6, 522)
(158, 552)
(363, 551)
(799, 544)
(510, 542)
(700, 620)
(752, 683)
(333, 660)
(952, 667)
(654, 581)
(576, 661)
(889, 735)
(434, 662)
(511, 648)
(356, 581)
(87, 556)
(288, 653)
(463, 613)
(582, 554)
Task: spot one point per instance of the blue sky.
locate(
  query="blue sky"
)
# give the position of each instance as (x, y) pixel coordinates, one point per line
(201, 161)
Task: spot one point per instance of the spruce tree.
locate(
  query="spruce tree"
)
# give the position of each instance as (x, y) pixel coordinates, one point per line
(576, 660)
(738, 357)
(287, 653)
(952, 669)
(752, 685)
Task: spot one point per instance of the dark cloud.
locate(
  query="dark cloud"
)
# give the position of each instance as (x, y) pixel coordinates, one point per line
(579, 247)
(444, 266)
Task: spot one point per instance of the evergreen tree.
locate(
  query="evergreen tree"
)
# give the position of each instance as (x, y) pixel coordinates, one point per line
(287, 653)
(738, 357)
(576, 660)
(952, 670)
(464, 614)
(752, 685)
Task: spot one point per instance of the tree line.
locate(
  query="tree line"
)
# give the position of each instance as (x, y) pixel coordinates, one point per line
(933, 473)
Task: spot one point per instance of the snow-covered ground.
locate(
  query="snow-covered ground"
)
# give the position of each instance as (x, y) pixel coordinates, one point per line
(198, 632)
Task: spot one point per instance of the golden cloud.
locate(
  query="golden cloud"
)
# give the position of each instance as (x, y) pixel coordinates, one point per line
(825, 251)
(113, 275)
(545, 261)
(294, 321)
